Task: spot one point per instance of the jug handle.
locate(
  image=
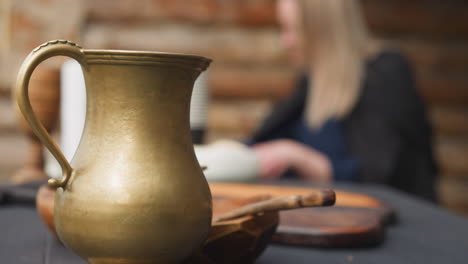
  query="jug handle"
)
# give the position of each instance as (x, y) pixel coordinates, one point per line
(39, 54)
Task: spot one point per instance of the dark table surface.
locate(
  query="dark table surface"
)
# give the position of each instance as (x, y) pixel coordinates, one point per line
(424, 233)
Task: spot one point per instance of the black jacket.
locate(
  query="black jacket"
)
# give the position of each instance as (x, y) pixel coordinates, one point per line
(387, 132)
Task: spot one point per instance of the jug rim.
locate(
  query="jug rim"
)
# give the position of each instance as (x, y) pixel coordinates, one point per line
(103, 56)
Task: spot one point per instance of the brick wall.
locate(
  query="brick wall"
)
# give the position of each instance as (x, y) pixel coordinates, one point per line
(251, 70)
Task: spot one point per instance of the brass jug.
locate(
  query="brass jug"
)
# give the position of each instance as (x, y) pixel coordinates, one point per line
(134, 191)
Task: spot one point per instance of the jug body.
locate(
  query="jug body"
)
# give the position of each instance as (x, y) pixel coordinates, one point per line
(134, 191)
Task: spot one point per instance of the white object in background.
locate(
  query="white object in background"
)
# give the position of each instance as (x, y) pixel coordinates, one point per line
(227, 161)
(72, 113)
(199, 102)
(73, 107)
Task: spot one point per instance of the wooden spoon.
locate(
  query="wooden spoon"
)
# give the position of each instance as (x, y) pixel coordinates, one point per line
(313, 199)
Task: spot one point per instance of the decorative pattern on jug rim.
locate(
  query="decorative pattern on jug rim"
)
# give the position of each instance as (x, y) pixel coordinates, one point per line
(57, 41)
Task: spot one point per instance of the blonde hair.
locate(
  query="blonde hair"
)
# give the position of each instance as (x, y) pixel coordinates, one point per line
(336, 45)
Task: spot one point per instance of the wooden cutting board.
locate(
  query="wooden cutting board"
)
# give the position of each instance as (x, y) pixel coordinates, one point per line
(356, 220)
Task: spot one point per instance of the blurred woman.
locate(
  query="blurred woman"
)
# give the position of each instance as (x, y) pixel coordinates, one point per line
(355, 114)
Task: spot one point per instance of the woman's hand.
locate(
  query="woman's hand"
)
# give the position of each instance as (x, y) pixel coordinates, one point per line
(277, 156)
(274, 158)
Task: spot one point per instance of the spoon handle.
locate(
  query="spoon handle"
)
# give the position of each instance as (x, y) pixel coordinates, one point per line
(315, 198)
